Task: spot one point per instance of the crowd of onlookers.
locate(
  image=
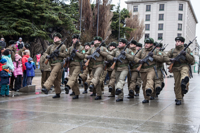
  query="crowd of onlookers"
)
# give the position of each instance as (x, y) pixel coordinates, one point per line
(17, 68)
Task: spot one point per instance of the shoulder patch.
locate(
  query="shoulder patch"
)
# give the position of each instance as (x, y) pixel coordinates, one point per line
(132, 53)
(66, 50)
(191, 53)
(83, 51)
(160, 53)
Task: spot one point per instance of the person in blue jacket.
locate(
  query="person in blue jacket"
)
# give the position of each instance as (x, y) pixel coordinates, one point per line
(5, 75)
(30, 70)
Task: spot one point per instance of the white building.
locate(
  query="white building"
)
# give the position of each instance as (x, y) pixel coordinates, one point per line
(165, 19)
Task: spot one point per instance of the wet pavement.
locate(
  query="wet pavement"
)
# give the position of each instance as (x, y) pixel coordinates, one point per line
(42, 114)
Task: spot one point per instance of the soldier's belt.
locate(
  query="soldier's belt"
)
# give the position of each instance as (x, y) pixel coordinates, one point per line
(97, 63)
(145, 67)
(56, 61)
(160, 67)
(178, 65)
(122, 65)
(134, 67)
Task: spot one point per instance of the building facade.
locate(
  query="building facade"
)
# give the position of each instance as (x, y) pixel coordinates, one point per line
(165, 19)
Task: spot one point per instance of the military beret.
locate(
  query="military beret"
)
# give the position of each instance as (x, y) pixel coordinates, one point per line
(149, 40)
(114, 44)
(5, 67)
(182, 39)
(12, 42)
(139, 45)
(76, 36)
(3, 61)
(98, 38)
(87, 43)
(27, 45)
(134, 42)
(123, 40)
(103, 44)
(57, 34)
(160, 45)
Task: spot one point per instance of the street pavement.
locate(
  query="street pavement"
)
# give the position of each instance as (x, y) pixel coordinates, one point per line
(39, 113)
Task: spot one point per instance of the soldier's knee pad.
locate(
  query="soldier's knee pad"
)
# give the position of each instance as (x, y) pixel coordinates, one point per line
(118, 91)
(137, 88)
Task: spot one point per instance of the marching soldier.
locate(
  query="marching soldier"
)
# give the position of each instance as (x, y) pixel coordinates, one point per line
(180, 70)
(148, 71)
(97, 68)
(111, 72)
(121, 69)
(139, 80)
(56, 66)
(74, 66)
(132, 77)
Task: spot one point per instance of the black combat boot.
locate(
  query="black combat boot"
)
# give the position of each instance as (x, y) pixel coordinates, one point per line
(152, 98)
(131, 92)
(45, 91)
(110, 89)
(178, 102)
(91, 87)
(158, 90)
(148, 92)
(85, 92)
(93, 94)
(145, 101)
(119, 100)
(65, 81)
(98, 98)
(137, 88)
(76, 97)
(130, 97)
(67, 88)
(118, 91)
(183, 84)
(72, 94)
(136, 95)
(56, 96)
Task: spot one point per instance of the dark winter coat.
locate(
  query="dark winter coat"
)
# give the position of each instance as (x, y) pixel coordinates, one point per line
(4, 77)
(30, 69)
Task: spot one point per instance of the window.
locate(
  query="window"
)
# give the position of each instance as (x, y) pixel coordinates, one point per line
(147, 17)
(180, 16)
(179, 26)
(162, 7)
(180, 7)
(148, 7)
(135, 8)
(179, 35)
(147, 26)
(161, 16)
(160, 26)
(146, 36)
(160, 36)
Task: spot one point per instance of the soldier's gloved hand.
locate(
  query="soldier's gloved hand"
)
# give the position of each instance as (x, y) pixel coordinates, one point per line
(89, 57)
(115, 59)
(47, 57)
(150, 54)
(141, 61)
(123, 52)
(74, 50)
(183, 53)
(172, 60)
(98, 49)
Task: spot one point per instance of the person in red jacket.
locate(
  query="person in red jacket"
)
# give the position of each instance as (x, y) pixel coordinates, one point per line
(25, 57)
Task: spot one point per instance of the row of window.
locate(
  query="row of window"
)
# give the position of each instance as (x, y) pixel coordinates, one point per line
(160, 35)
(161, 8)
(161, 17)
(160, 26)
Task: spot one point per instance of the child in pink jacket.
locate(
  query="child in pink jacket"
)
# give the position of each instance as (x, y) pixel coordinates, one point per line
(18, 71)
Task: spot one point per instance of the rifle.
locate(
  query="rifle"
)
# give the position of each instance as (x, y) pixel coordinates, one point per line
(133, 62)
(162, 49)
(121, 56)
(180, 57)
(52, 55)
(146, 59)
(71, 58)
(95, 54)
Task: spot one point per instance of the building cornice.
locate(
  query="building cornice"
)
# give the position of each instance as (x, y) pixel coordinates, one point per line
(145, 1)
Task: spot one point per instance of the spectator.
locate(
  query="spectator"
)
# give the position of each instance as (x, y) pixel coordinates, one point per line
(2, 44)
(24, 60)
(5, 75)
(38, 60)
(2, 39)
(12, 47)
(2, 62)
(7, 55)
(26, 47)
(20, 43)
(17, 71)
(45, 69)
(30, 70)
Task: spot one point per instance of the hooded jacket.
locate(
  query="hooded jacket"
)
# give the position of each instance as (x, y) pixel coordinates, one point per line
(24, 60)
(18, 69)
(4, 77)
(9, 62)
(30, 69)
